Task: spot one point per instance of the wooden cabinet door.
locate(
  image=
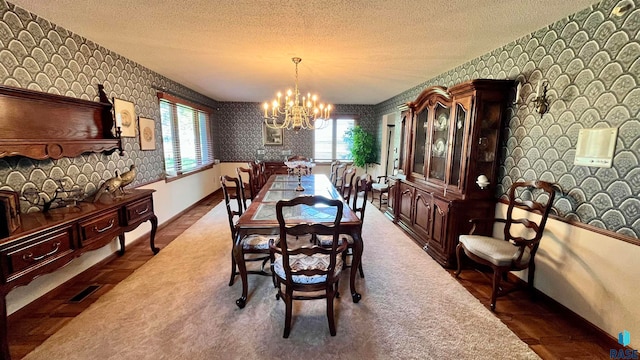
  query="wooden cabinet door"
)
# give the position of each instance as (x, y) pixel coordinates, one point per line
(439, 229)
(422, 208)
(405, 200)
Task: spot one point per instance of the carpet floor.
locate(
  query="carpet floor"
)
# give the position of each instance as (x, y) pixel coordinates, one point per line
(179, 306)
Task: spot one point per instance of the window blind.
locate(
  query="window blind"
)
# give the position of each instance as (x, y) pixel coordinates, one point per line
(186, 136)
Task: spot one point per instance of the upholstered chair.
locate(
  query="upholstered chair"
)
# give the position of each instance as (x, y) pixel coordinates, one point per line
(251, 244)
(304, 270)
(516, 248)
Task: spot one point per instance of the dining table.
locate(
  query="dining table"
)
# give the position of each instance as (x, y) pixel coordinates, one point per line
(260, 218)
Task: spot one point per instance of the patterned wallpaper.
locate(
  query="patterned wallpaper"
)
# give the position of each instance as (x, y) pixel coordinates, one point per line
(591, 62)
(240, 131)
(39, 55)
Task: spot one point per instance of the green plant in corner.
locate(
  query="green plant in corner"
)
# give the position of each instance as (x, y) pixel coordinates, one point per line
(362, 146)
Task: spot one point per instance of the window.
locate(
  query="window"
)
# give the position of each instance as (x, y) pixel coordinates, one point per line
(186, 135)
(329, 142)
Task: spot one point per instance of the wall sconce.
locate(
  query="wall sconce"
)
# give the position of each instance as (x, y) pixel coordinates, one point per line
(541, 102)
(516, 99)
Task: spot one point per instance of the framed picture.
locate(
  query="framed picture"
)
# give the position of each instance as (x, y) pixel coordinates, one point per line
(125, 117)
(147, 134)
(271, 136)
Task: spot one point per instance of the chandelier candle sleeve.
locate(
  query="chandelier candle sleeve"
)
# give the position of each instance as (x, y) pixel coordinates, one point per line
(295, 114)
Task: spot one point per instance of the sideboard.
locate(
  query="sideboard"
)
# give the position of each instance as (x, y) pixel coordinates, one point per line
(46, 241)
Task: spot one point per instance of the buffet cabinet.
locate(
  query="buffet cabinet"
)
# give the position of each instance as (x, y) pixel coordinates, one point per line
(46, 241)
(452, 138)
(274, 167)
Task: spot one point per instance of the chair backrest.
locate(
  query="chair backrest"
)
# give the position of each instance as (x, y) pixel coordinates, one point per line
(361, 189)
(347, 183)
(332, 171)
(225, 181)
(339, 171)
(257, 175)
(517, 193)
(246, 185)
(297, 230)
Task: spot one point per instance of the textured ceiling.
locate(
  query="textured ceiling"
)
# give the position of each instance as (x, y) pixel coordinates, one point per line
(353, 51)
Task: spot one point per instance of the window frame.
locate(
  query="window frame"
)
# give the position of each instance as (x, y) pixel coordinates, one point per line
(174, 102)
(334, 119)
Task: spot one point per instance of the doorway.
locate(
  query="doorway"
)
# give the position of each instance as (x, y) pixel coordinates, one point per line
(392, 150)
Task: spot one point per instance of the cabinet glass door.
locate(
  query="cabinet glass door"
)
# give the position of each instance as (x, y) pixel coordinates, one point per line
(458, 137)
(489, 119)
(419, 142)
(439, 141)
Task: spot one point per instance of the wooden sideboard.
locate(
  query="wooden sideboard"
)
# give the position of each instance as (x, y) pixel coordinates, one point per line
(47, 241)
(274, 167)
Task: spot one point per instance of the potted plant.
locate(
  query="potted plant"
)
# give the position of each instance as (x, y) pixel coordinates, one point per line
(362, 146)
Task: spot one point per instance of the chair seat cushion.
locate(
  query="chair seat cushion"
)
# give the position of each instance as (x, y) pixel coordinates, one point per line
(257, 241)
(304, 262)
(326, 240)
(496, 251)
(379, 187)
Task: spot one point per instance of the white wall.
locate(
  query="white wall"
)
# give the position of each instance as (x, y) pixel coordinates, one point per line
(169, 199)
(594, 275)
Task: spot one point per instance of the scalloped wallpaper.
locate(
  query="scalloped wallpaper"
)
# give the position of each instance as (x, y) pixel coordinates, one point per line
(591, 61)
(240, 126)
(39, 55)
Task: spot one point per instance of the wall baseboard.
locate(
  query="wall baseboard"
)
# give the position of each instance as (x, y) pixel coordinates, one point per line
(609, 341)
(41, 301)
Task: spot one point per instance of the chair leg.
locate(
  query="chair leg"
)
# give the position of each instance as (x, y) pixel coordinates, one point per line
(360, 269)
(531, 277)
(497, 274)
(288, 304)
(332, 323)
(458, 259)
(233, 269)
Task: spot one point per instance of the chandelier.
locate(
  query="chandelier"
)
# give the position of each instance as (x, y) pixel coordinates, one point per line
(292, 114)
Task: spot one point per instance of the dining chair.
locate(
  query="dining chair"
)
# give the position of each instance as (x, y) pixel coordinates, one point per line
(381, 187)
(516, 248)
(339, 171)
(358, 206)
(245, 176)
(332, 171)
(347, 183)
(250, 244)
(310, 270)
(256, 175)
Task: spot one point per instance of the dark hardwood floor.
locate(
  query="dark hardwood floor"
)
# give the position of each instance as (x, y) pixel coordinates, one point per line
(550, 330)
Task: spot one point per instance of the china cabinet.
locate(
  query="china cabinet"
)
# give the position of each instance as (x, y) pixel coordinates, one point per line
(452, 137)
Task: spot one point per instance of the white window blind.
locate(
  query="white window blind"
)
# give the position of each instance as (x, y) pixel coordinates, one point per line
(186, 136)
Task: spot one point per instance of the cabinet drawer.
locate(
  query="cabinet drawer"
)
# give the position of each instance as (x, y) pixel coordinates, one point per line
(139, 210)
(97, 227)
(39, 250)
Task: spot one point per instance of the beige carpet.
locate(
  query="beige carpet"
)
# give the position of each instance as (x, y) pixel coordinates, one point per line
(179, 306)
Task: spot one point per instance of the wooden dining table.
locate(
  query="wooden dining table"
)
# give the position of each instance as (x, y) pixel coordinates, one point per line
(260, 218)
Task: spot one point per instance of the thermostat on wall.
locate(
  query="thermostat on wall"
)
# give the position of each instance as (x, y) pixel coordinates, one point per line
(596, 147)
